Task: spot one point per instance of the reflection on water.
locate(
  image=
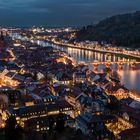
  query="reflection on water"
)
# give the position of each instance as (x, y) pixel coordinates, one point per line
(88, 56)
(131, 79)
(85, 55)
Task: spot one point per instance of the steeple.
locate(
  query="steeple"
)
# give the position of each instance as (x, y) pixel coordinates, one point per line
(2, 42)
(1, 36)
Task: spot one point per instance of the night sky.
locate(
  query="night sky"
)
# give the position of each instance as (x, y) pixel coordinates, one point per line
(61, 12)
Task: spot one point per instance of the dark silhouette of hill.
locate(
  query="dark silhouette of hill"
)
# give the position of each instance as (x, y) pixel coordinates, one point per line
(121, 30)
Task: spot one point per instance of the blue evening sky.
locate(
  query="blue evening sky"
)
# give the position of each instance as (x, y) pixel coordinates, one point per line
(61, 12)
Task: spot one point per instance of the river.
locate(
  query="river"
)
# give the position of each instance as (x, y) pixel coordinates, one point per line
(130, 78)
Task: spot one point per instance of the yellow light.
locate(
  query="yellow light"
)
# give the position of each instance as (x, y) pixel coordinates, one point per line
(17, 118)
(3, 125)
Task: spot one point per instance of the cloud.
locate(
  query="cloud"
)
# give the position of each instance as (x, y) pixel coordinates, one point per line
(62, 12)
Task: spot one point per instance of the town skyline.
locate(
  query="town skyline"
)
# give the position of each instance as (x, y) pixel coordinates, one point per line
(69, 69)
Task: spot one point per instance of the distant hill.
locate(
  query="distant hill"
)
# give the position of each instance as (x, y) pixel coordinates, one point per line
(121, 30)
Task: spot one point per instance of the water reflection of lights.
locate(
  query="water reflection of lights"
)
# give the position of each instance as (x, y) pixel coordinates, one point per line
(130, 78)
(133, 75)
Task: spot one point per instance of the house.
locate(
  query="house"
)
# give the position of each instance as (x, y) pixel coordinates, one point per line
(71, 95)
(14, 97)
(92, 77)
(63, 78)
(69, 121)
(27, 112)
(19, 78)
(79, 77)
(7, 78)
(135, 104)
(40, 76)
(130, 115)
(41, 124)
(4, 101)
(50, 99)
(102, 81)
(91, 125)
(118, 91)
(52, 109)
(88, 104)
(96, 92)
(34, 111)
(37, 124)
(65, 107)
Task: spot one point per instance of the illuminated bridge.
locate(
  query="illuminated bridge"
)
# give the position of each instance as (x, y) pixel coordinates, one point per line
(120, 63)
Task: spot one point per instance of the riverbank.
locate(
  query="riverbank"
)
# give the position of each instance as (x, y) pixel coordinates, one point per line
(120, 54)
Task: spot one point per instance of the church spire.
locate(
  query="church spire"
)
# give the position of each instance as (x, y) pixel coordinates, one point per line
(1, 36)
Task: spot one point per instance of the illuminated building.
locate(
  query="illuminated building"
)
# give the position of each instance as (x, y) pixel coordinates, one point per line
(79, 77)
(91, 125)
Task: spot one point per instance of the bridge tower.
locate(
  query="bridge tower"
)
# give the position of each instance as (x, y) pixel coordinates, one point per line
(133, 66)
(95, 67)
(2, 42)
(120, 66)
(107, 65)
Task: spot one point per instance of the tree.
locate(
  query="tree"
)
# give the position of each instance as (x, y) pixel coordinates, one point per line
(60, 122)
(35, 76)
(114, 104)
(51, 123)
(12, 129)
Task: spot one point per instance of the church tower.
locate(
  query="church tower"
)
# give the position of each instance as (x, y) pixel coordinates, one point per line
(2, 42)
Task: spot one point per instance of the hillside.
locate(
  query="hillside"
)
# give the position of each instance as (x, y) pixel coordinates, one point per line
(121, 30)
